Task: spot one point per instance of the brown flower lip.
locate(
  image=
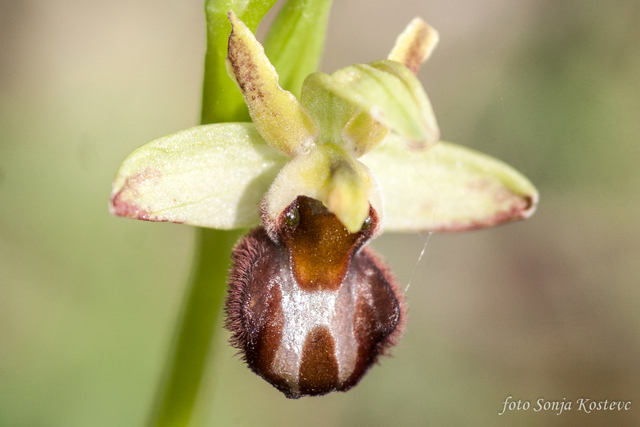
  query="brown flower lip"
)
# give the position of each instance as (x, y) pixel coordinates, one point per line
(312, 310)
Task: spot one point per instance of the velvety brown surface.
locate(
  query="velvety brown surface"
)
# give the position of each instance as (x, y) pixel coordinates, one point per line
(254, 313)
(379, 312)
(319, 367)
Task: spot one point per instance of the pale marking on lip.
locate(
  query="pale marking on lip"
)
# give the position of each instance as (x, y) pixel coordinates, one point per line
(303, 312)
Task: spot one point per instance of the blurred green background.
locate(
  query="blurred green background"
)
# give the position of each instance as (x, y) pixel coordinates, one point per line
(546, 308)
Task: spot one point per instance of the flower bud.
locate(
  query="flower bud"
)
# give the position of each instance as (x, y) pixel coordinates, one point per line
(312, 309)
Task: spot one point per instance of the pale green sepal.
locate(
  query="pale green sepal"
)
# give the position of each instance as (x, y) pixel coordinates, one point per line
(210, 176)
(329, 174)
(295, 41)
(276, 113)
(447, 188)
(221, 100)
(395, 99)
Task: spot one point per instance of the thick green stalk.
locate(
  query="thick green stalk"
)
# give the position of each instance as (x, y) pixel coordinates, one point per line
(185, 368)
(295, 42)
(221, 102)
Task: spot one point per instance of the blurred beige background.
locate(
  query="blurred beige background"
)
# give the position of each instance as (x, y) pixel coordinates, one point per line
(547, 308)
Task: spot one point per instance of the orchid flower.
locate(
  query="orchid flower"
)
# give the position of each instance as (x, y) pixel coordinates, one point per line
(310, 306)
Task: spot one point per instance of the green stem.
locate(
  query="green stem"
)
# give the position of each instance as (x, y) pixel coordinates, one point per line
(183, 374)
(184, 371)
(295, 41)
(221, 102)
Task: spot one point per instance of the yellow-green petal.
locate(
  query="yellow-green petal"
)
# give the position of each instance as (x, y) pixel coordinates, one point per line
(210, 176)
(447, 188)
(363, 133)
(276, 113)
(389, 93)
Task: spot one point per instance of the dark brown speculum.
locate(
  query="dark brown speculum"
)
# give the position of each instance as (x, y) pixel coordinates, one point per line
(312, 309)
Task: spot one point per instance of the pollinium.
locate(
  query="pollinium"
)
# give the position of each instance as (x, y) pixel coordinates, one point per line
(309, 306)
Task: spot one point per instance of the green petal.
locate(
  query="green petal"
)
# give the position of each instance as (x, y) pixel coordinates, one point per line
(447, 188)
(276, 113)
(389, 93)
(295, 41)
(211, 176)
(363, 133)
